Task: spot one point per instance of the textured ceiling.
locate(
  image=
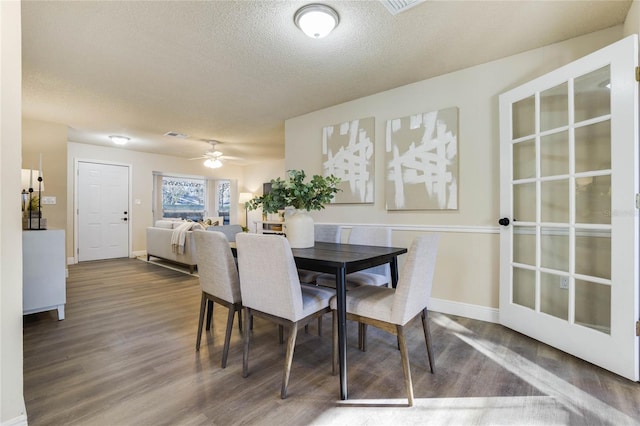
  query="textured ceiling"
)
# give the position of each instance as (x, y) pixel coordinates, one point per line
(235, 70)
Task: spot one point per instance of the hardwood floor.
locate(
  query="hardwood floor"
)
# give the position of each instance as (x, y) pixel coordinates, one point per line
(125, 355)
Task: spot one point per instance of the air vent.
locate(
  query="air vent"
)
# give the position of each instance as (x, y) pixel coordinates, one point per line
(396, 6)
(176, 135)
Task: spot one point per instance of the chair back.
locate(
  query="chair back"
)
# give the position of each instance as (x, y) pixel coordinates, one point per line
(230, 231)
(216, 266)
(268, 275)
(416, 279)
(373, 236)
(327, 233)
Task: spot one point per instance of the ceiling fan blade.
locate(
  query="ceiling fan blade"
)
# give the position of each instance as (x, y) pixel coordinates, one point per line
(199, 158)
(229, 157)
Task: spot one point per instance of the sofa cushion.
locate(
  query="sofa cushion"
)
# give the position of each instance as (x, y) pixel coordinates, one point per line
(166, 224)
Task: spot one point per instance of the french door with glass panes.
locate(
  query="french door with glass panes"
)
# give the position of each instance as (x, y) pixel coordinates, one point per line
(569, 209)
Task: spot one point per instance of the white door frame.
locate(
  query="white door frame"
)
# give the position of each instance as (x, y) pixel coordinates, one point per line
(76, 162)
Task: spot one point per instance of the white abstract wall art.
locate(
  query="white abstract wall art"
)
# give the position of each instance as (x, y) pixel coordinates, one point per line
(348, 153)
(421, 156)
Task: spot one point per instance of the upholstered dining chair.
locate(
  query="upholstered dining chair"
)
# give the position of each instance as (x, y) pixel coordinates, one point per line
(325, 234)
(219, 281)
(391, 309)
(271, 289)
(378, 275)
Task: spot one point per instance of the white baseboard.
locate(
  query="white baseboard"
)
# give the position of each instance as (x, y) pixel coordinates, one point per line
(72, 261)
(21, 420)
(141, 253)
(466, 310)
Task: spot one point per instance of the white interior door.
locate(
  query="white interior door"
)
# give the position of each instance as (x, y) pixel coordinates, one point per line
(103, 211)
(568, 189)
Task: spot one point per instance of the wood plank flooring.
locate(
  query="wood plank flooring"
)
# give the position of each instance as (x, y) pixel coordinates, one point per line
(125, 355)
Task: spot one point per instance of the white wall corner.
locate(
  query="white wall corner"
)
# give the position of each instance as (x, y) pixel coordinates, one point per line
(466, 310)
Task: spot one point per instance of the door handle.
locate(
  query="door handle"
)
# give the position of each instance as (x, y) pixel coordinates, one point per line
(504, 221)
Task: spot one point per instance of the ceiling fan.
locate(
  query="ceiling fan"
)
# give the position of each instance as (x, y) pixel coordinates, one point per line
(213, 158)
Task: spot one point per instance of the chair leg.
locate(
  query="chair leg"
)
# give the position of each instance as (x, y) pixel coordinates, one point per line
(209, 314)
(239, 309)
(203, 302)
(427, 338)
(245, 343)
(306, 327)
(291, 344)
(362, 337)
(404, 354)
(334, 349)
(281, 334)
(227, 336)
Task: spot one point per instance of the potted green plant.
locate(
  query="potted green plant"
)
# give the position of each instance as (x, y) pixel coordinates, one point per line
(303, 197)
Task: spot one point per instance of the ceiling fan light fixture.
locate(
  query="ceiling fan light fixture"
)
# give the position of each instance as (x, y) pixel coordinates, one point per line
(316, 20)
(212, 164)
(119, 140)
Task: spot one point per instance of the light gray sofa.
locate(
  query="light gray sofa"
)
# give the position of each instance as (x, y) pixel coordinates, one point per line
(159, 242)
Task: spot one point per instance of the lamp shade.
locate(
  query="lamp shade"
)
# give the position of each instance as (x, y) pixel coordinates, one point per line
(243, 197)
(316, 20)
(29, 179)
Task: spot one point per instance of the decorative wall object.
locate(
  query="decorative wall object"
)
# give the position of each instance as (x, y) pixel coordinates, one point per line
(348, 153)
(421, 156)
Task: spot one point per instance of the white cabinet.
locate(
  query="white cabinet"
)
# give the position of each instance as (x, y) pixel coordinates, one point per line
(44, 286)
(269, 227)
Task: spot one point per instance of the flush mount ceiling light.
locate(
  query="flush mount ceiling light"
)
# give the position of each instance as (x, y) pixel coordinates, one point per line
(316, 20)
(119, 140)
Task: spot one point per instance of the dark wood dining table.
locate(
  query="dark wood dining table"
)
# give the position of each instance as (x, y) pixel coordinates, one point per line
(342, 259)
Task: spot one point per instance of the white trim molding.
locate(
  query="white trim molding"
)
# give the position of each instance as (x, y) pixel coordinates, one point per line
(21, 420)
(464, 229)
(466, 310)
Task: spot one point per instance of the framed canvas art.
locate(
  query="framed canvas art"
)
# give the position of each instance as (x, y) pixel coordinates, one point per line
(348, 153)
(421, 157)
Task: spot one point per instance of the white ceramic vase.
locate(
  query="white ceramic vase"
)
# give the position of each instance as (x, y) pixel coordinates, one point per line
(299, 229)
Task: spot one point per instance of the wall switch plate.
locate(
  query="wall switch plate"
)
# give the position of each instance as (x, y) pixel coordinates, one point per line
(48, 200)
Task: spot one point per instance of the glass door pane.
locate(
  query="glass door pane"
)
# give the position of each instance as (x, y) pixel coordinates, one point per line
(572, 172)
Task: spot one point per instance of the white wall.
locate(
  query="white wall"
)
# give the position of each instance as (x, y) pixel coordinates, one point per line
(50, 141)
(466, 280)
(254, 177)
(12, 408)
(143, 165)
(632, 23)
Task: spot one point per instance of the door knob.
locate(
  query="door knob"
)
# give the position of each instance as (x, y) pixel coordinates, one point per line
(504, 221)
(124, 218)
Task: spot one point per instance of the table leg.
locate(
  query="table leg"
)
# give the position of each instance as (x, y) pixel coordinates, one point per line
(394, 272)
(341, 299)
